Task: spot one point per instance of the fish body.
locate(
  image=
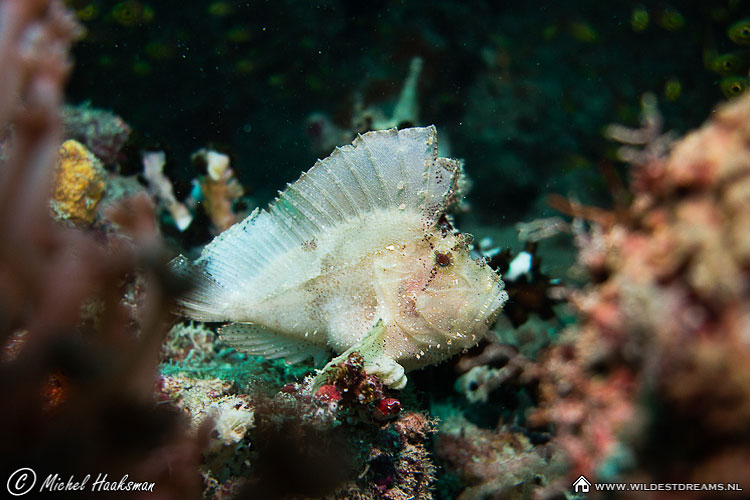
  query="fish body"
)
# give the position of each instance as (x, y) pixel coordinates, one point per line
(358, 241)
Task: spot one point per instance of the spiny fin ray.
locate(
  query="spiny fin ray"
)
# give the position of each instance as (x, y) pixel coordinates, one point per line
(380, 170)
(258, 341)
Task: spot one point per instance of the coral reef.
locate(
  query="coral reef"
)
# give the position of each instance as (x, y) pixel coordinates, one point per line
(213, 405)
(347, 440)
(77, 397)
(219, 189)
(496, 463)
(325, 135)
(662, 350)
(161, 188)
(652, 384)
(189, 341)
(479, 375)
(101, 131)
(391, 460)
(79, 184)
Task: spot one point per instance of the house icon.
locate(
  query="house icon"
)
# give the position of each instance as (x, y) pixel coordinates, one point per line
(581, 485)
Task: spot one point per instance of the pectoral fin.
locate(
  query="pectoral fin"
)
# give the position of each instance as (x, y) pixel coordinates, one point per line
(257, 341)
(372, 350)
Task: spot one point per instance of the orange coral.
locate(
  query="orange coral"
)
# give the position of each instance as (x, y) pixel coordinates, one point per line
(219, 196)
(220, 189)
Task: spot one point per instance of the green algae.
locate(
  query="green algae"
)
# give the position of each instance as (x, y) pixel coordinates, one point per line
(244, 371)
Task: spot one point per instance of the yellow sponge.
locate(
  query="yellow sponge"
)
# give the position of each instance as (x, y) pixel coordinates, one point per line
(80, 181)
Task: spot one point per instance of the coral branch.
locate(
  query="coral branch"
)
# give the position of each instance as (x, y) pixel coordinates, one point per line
(76, 385)
(219, 188)
(161, 187)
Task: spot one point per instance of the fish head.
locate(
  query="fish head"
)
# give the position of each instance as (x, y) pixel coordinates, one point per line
(461, 296)
(442, 299)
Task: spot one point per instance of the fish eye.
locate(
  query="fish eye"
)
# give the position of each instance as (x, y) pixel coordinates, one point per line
(443, 259)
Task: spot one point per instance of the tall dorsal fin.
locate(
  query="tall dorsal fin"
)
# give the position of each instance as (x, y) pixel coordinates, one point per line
(386, 169)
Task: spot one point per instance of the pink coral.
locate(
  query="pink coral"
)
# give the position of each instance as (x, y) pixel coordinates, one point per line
(662, 350)
(77, 395)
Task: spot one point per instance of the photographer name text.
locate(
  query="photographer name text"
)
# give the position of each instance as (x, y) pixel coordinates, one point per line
(24, 480)
(53, 482)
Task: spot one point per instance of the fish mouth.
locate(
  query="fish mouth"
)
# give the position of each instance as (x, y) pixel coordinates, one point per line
(464, 331)
(493, 304)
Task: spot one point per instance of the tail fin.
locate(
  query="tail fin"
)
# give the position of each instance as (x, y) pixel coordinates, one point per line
(204, 301)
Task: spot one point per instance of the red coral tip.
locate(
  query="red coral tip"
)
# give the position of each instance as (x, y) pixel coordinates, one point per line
(389, 406)
(328, 393)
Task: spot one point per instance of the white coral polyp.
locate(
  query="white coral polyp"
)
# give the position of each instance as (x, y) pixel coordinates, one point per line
(232, 419)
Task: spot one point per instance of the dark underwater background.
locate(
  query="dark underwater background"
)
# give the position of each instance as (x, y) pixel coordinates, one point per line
(522, 90)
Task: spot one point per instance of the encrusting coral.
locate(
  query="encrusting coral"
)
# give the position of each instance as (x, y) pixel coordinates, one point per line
(219, 189)
(662, 349)
(381, 452)
(79, 184)
(497, 463)
(103, 132)
(214, 404)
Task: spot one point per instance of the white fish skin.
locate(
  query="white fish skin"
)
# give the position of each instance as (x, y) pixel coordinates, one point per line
(353, 243)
